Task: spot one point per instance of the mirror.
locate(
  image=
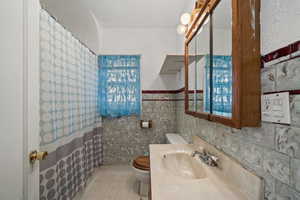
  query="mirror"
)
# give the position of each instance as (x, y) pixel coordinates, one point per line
(210, 64)
(222, 75)
(191, 75)
(222, 60)
(199, 55)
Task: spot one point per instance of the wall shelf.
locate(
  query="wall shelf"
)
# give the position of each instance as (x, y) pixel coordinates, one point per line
(174, 63)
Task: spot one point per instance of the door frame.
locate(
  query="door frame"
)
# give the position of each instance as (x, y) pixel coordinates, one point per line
(31, 95)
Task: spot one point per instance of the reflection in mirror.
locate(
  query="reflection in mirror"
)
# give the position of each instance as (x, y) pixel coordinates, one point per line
(198, 65)
(222, 60)
(202, 64)
(191, 75)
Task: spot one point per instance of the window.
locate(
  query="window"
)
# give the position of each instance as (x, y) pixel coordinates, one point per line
(120, 90)
(222, 85)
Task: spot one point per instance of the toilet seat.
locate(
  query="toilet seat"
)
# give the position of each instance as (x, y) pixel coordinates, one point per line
(142, 163)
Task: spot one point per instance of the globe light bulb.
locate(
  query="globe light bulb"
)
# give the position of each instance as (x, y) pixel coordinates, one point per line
(181, 29)
(185, 18)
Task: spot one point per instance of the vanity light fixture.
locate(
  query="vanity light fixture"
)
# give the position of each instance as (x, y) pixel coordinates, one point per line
(185, 18)
(181, 29)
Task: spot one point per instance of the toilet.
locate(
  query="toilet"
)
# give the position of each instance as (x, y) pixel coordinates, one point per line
(174, 138)
(141, 165)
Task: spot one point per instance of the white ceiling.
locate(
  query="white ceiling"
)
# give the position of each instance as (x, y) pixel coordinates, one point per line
(134, 13)
(87, 18)
(124, 13)
(137, 13)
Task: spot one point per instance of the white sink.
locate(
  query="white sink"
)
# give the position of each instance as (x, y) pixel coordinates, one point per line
(183, 165)
(176, 175)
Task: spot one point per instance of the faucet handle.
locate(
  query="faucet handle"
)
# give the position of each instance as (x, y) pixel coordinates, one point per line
(194, 153)
(213, 161)
(214, 158)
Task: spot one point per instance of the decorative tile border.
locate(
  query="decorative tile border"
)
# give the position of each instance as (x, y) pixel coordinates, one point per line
(283, 54)
(163, 91)
(171, 98)
(292, 92)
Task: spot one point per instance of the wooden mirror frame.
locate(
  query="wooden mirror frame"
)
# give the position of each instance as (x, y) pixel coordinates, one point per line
(246, 63)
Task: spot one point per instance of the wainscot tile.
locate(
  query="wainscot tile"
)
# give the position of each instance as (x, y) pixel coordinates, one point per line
(264, 136)
(270, 193)
(251, 155)
(288, 140)
(284, 192)
(123, 139)
(295, 110)
(295, 167)
(277, 165)
(268, 77)
(269, 182)
(231, 146)
(219, 135)
(288, 75)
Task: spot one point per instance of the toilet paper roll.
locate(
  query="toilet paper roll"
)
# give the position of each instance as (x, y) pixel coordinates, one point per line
(145, 124)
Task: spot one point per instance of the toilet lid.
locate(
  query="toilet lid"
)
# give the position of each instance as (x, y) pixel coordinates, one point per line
(142, 162)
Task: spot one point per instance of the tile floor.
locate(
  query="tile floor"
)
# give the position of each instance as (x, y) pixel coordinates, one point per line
(114, 182)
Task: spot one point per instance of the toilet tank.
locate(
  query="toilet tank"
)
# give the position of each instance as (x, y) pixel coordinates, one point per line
(174, 138)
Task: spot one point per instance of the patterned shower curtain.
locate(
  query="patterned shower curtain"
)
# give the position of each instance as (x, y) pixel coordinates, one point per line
(70, 128)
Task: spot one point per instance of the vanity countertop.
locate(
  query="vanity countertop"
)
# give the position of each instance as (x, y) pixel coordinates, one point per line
(172, 179)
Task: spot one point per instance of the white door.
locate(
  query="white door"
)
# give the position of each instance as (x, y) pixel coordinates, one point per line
(19, 102)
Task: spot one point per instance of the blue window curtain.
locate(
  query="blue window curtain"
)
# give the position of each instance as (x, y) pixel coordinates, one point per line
(222, 85)
(120, 90)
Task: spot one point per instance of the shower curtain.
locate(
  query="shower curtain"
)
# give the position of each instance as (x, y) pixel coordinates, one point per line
(70, 128)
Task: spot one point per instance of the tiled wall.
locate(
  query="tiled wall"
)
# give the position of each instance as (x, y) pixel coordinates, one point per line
(123, 139)
(272, 151)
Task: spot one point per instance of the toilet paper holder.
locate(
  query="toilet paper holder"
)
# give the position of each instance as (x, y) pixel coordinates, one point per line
(146, 124)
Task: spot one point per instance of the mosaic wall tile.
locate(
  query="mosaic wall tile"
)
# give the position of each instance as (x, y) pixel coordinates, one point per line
(288, 140)
(123, 138)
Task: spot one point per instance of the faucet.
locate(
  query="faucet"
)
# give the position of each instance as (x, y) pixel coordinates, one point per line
(207, 158)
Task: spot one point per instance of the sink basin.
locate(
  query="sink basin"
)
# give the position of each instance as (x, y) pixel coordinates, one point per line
(176, 175)
(183, 165)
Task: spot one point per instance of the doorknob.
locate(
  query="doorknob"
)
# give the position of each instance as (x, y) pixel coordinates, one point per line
(35, 155)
